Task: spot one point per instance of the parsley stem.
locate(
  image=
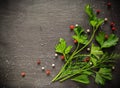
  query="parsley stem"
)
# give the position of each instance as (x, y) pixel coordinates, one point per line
(87, 42)
(81, 55)
(74, 53)
(62, 69)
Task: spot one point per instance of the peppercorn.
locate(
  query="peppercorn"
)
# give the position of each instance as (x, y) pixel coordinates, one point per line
(109, 5)
(72, 27)
(56, 55)
(113, 28)
(88, 30)
(43, 68)
(98, 11)
(38, 62)
(112, 24)
(62, 57)
(87, 59)
(106, 19)
(76, 25)
(23, 74)
(48, 72)
(106, 36)
(75, 41)
(53, 65)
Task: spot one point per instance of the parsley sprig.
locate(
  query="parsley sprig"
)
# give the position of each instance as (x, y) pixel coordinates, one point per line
(98, 63)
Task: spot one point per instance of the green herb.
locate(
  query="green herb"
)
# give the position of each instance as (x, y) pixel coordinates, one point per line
(97, 64)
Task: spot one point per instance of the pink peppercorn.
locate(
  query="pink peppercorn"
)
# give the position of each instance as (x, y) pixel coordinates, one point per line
(48, 72)
(72, 27)
(62, 57)
(113, 28)
(38, 62)
(98, 11)
(109, 4)
(23, 74)
(112, 24)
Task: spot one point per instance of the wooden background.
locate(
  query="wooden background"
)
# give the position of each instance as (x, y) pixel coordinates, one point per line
(29, 30)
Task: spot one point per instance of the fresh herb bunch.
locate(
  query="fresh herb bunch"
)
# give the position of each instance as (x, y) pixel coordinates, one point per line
(97, 64)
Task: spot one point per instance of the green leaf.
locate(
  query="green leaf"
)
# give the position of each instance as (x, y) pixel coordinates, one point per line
(89, 11)
(93, 23)
(99, 79)
(68, 49)
(105, 73)
(102, 75)
(104, 70)
(100, 22)
(87, 72)
(94, 61)
(96, 50)
(82, 78)
(80, 36)
(100, 38)
(111, 41)
(60, 48)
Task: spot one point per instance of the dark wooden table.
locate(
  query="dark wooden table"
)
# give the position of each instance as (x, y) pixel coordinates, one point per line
(29, 30)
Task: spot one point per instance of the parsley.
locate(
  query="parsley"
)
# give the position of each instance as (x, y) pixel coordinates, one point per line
(98, 63)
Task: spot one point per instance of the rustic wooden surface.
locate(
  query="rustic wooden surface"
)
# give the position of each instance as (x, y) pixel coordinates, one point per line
(29, 30)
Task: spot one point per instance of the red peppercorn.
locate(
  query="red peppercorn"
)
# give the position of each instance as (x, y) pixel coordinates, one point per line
(75, 41)
(62, 57)
(87, 59)
(106, 36)
(109, 4)
(98, 11)
(23, 74)
(112, 24)
(38, 62)
(113, 28)
(48, 72)
(72, 27)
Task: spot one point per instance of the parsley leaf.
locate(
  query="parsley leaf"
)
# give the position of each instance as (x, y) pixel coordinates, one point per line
(111, 41)
(80, 36)
(62, 48)
(94, 21)
(82, 78)
(102, 75)
(96, 50)
(89, 11)
(68, 49)
(99, 79)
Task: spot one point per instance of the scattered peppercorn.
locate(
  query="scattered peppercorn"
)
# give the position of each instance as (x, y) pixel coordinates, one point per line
(38, 62)
(109, 4)
(106, 19)
(56, 55)
(72, 27)
(53, 65)
(87, 59)
(88, 49)
(62, 57)
(90, 63)
(76, 25)
(23, 74)
(75, 41)
(113, 28)
(113, 67)
(112, 24)
(98, 11)
(88, 30)
(106, 36)
(48, 72)
(43, 68)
